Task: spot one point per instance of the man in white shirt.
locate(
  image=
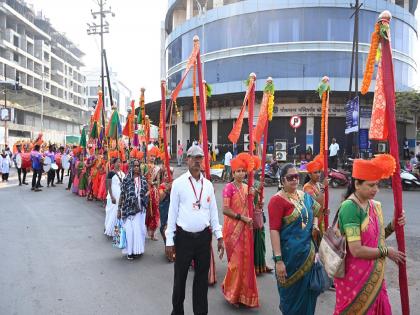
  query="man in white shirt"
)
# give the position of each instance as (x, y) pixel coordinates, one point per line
(334, 148)
(192, 213)
(227, 172)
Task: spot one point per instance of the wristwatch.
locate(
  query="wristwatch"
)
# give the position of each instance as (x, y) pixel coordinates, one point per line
(277, 258)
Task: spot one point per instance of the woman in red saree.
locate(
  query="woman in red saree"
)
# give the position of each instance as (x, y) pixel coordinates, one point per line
(240, 283)
(152, 177)
(363, 289)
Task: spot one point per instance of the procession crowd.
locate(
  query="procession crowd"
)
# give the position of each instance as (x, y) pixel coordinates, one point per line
(140, 196)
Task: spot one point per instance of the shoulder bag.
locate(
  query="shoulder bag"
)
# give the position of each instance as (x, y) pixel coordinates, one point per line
(332, 250)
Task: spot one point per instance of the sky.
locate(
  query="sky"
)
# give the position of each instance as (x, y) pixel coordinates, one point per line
(133, 44)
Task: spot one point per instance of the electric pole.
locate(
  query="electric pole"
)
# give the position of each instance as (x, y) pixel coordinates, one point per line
(101, 29)
(355, 67)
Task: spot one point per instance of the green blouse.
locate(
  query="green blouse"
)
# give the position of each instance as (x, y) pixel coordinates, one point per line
(351, 219)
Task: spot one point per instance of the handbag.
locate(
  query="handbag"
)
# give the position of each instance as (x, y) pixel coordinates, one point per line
(332, 250)
(258, 219)
(319, 280)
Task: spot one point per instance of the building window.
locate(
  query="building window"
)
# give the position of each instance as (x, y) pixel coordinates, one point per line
(93, 90)
(16, 41)
(16, 57)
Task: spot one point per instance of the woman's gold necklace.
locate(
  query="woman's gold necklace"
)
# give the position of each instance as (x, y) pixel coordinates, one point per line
(240, 193)
(299, 206)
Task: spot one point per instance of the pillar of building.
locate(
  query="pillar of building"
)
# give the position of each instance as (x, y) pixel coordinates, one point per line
(411, 134)
(178, 17)
(214, 132)
(182, 130)
(217, 3)
(190, 9)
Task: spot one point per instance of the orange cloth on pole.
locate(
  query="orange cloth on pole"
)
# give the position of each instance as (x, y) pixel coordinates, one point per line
(378, 125)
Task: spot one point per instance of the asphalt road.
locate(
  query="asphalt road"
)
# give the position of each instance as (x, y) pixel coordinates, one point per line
(55, 260)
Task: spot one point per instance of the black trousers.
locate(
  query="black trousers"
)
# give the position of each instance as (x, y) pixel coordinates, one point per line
(21, 171)
(4, 177)
(333, 161)
(36, 178)
(50, 176)
(70, 180)
(60, 178)
(191, 247)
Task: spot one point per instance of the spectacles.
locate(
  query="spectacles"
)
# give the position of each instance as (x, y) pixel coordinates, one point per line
(291, 177)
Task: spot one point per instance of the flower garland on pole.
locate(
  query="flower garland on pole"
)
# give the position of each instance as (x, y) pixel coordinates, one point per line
(324, 93)
(384, 127)
(261, 129)
(163, 121)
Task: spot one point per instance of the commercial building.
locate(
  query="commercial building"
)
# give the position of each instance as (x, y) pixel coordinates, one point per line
(296, 43)
(46, 65)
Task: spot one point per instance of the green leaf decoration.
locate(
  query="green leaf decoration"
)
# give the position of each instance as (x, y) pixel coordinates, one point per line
(209, 90)
(322, 87)
(269, 88)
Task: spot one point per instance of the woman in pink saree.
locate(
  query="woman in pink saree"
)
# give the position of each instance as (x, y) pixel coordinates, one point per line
(363, 288)
(240, 283)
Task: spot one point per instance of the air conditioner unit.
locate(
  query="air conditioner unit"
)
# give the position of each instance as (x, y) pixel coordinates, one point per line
(246, 147)
(381, 147)
(281, 155)
(246, 137)
(280, 145)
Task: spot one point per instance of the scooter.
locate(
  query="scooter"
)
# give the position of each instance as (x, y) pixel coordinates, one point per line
(338, 178)
(409, 180)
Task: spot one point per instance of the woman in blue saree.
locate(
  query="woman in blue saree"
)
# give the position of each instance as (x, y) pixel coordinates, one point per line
(292, 218)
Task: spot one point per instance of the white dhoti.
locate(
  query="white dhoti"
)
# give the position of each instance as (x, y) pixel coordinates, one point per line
(135, 230)
(111, 212)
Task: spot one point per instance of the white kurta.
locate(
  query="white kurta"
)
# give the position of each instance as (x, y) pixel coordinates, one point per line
(111, 210)
(5, 164)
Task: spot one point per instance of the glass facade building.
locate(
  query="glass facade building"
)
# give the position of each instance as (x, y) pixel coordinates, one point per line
(295, 42)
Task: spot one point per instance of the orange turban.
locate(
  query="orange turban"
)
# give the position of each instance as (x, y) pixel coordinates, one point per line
(380, 167)
(136, 154)
(245, 161)
(154, 151)
(113, 154)
(317, 164)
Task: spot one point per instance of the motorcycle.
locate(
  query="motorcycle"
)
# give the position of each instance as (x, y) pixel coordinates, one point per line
(348, 164)
(409, 180)
(338, 178)
(271, 176)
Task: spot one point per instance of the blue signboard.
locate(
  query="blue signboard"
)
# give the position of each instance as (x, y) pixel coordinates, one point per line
(352, 115)
(364, 139)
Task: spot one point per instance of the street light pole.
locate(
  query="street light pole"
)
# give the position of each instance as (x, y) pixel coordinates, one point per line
(5, 106)
(202, 9)
(101, 29)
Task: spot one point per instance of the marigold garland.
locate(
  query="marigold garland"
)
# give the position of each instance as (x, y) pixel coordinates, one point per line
(324, 106)
(195, 94)
(270, 107)
(370, 63)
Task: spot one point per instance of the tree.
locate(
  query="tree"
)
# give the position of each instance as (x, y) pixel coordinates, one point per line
(407, 103)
